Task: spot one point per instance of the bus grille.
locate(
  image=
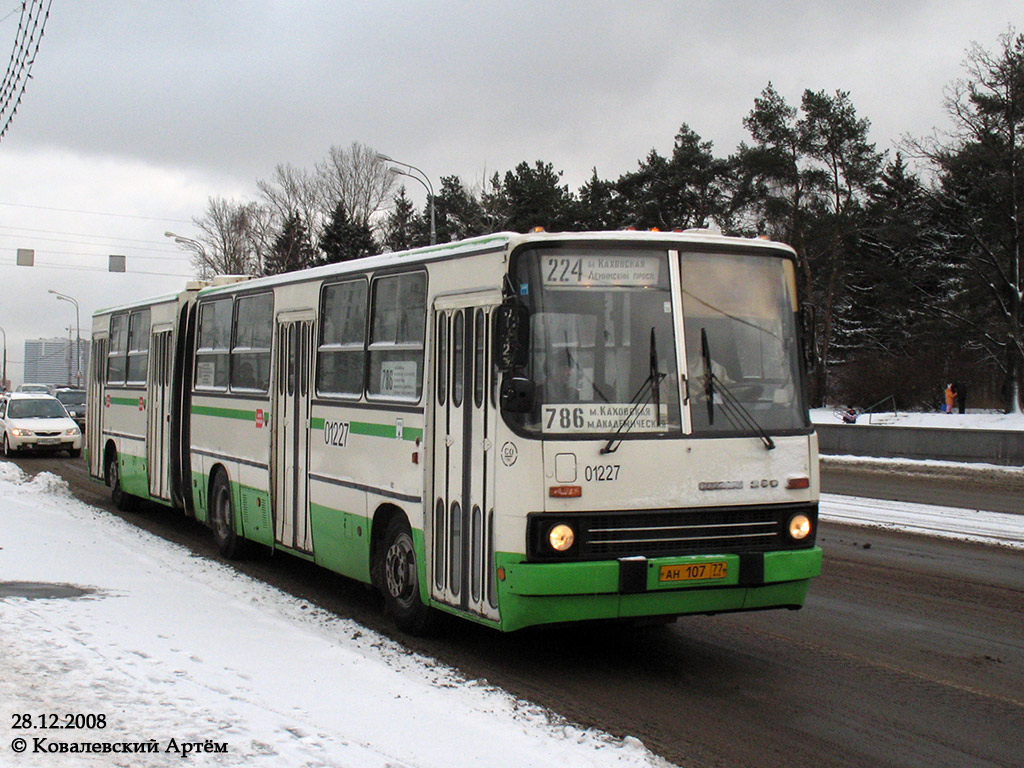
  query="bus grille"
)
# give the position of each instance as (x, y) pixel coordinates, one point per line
(671, 532)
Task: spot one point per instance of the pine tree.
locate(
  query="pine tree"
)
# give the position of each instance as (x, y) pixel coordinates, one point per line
(537, 199)
(291, 250)
(677, 192)
(403, 228)
(980, 206)
(344, 239)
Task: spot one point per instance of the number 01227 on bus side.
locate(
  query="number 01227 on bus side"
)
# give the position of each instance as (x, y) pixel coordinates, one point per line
(716, 569)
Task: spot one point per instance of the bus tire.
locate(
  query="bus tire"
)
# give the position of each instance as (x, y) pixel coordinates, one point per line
(400, 581)
(222, 519)
(122, 501)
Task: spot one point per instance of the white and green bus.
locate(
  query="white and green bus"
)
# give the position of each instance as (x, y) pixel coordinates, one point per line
(518, 429)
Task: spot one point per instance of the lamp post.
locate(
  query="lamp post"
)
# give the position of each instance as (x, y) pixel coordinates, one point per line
(3, 376)
(425, 182)
(78, 336)
(197, 247)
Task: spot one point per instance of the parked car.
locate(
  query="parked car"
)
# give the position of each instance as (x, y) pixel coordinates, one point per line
(73, 401)
(32, 421)
(43, 389)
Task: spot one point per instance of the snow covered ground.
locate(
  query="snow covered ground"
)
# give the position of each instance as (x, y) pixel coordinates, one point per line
(181, 654)
(176, 651)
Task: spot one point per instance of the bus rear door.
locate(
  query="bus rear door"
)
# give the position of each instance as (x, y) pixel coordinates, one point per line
(290, 419)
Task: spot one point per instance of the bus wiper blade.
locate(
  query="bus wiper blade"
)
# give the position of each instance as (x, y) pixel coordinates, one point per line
(709, 377)
(734, 410)
(653, 381)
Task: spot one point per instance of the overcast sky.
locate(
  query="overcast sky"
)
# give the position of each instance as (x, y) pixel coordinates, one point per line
(138, 112)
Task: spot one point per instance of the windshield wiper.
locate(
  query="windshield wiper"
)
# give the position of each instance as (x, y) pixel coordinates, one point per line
(734, 410)
(653, 381)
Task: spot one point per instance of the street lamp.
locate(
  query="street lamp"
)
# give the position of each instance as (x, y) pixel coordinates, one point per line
(425, 182)
(78, 336)
(188, 242)
(3, 376)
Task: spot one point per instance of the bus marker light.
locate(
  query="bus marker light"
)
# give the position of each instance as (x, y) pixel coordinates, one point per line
(565, 491)
(561, 537)
(794, 483)
(799, 527)
(501, 574)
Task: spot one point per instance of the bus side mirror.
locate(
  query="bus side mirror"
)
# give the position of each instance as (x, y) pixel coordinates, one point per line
(511, 336)
(517, 394)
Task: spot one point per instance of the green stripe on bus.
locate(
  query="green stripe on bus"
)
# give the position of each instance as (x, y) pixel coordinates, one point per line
(132, 401)
(227, 413)
(373, 430)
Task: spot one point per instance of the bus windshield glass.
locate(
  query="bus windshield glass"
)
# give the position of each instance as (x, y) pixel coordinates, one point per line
(603, 343)
(602, 347)
(739, 320)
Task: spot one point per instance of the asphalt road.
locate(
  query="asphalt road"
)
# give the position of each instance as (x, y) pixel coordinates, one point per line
(909, 653)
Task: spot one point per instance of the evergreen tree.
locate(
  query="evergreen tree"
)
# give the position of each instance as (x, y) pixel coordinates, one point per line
(344, 239)
(403, 228)
(536, 198)
(291, 250)
(601, 206)
(459, 214)
(679, 192)
(979, 204)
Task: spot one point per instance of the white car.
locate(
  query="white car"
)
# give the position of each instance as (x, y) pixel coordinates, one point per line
(37, 422)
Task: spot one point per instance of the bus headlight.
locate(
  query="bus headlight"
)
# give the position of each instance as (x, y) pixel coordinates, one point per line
(799, 527)
(561, 537)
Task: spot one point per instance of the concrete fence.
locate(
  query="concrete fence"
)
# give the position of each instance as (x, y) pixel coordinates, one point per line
(972, 445)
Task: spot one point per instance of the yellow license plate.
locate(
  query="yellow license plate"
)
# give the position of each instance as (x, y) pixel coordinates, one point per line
(715, 569)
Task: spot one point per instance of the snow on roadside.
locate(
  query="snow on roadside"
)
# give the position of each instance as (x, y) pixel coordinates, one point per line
(973, 419)
(948, 522)
(174, 649)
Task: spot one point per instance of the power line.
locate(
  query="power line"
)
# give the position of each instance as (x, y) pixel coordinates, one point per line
(85, 234)
(98, 213)
(170, 253)
(19, 69)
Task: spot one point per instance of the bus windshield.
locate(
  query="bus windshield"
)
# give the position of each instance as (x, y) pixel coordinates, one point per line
(603, 343)
(739, 320)
(602, 346)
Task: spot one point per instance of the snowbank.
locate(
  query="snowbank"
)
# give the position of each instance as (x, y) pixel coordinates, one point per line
(970, 420)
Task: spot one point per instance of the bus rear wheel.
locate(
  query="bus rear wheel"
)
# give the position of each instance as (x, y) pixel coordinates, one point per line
(401, 584)
(222, 519)
(124, 502)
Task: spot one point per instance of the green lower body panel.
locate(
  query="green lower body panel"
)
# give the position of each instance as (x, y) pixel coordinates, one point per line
(133, 475)
(546, 593)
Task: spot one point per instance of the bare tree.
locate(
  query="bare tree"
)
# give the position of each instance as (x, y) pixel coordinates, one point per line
(292, 191)
(226, 245)
(357, 178)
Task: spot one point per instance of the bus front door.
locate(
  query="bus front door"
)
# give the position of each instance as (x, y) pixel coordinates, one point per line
(158, 430)
(290, 419)
(95, 412)
(462, 510)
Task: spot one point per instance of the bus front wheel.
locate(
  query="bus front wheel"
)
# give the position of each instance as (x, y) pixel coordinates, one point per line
(400, 582)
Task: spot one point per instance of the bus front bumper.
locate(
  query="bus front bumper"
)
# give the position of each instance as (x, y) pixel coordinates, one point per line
(544, 593)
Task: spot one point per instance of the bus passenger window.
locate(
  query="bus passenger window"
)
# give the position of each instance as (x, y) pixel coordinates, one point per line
(341, 354)
(396, 337)
(250, 354)
(117, 358)
(138, 347)
(214, 345)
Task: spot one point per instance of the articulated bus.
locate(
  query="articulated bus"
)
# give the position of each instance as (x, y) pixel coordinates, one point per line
(518, 429)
